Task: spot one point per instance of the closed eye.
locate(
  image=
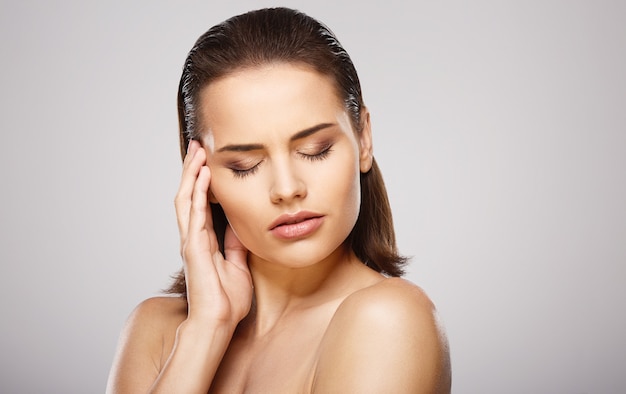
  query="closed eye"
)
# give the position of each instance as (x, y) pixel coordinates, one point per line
(239, 172)
(321, 155)
(244, 172)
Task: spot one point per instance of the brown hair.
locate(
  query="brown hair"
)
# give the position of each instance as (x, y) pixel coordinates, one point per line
(288, 36)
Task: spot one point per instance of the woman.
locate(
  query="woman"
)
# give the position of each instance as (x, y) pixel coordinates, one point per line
(290, 281)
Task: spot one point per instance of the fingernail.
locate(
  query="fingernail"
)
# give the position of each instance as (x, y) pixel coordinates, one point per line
(192, 147)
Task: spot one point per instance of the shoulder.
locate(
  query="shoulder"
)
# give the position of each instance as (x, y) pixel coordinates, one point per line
(155, 316)
(394, 305)
(149, 332)
(385, 338)
(155, 320)
(389, 295)
(159, 310)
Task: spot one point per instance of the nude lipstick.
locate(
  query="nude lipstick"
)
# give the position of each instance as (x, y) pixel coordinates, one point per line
(295, 226)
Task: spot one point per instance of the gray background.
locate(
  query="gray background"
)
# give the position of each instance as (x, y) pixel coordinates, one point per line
(500, 128)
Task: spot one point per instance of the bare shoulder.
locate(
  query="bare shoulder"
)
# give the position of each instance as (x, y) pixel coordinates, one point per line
(385, 338)
(144, 342)
(390, 294)
(155, 317)
(160, 311)
(391, 304)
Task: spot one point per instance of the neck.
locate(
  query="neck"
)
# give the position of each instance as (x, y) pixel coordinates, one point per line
(281, 291)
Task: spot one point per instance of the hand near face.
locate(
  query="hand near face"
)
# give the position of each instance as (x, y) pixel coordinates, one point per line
(219, 288)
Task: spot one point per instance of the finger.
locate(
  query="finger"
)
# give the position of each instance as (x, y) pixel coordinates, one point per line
(194, 160)
(200, 219)
(190, 158)
(183, 195)
(234, 250)
(191, 150)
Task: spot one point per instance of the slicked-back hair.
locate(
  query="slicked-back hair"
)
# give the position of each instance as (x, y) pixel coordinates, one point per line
(283, 35)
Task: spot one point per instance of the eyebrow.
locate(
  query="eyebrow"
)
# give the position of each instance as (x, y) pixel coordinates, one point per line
(297, 136)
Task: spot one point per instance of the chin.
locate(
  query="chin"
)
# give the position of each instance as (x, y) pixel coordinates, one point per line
(302, 254)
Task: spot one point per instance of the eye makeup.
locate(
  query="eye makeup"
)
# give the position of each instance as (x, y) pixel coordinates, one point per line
(314, 144)
(243, 168)
(320, 154)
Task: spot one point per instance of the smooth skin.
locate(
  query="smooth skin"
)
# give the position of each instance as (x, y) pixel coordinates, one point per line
(276, 315)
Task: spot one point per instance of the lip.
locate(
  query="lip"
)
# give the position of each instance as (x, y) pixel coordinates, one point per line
(296, 225)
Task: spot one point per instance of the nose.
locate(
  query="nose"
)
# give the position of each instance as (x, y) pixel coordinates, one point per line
(286, 185)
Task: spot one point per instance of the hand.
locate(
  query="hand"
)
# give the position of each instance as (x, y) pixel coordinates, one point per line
(219, 288)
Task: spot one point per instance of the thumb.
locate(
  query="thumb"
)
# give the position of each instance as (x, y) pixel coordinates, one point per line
(234, 251)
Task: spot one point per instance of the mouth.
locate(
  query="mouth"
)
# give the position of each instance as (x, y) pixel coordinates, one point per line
(293, 218)
(298, 225)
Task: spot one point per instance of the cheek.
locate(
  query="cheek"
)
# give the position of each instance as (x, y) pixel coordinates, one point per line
(352, 195)
(352, 190)
(230, 193)
(340, 185)
(236, 198)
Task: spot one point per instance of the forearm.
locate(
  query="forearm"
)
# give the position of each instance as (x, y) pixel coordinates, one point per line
(195, 357)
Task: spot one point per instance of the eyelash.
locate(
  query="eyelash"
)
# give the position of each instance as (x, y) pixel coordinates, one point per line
(323, 154)
(319, 155)
(244, 173)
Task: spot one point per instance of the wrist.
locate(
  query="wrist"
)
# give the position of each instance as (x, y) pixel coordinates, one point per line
(209, 331)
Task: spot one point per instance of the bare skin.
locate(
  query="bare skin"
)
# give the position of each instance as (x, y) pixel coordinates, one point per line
(279, 315)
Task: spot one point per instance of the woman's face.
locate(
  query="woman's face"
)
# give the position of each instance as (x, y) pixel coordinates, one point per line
(285, 161)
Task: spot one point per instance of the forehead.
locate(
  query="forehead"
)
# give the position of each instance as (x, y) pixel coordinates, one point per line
(276, 97)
